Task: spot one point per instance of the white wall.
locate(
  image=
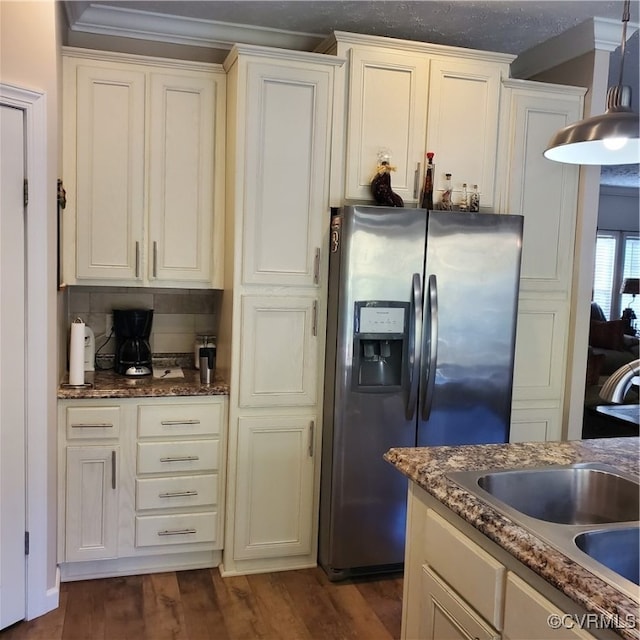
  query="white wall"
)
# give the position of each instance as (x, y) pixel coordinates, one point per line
(618, 210)
(29, 54)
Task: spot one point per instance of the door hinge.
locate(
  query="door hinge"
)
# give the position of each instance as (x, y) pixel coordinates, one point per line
(25, 191)
(26, 543)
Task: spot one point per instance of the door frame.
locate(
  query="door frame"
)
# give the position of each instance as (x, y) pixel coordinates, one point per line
(40, 437)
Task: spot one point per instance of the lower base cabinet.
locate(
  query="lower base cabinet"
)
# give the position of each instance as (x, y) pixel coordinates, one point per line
(455, 589)
(141, 485)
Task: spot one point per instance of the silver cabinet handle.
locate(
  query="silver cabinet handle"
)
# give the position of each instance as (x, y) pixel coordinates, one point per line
(180, 459)
(137, 259)
(155, 259)
(416, 181)
(314, 319)
(113, 469)
(92, 425)
(176, 532)
(312, 426)
(177, 494)
(316, 267)
(173, 423)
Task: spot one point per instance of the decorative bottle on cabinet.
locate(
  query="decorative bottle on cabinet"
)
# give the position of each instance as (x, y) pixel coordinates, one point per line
(427, 194)
(474, 200)
(445, 202)
(464, 200)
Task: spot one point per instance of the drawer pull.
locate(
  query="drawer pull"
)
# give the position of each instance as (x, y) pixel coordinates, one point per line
(173, 423)
(180, 459)
(177, 494)
(176, 532)
(92, 425)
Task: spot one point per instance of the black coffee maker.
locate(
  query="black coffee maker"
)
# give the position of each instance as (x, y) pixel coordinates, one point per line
(133, 352)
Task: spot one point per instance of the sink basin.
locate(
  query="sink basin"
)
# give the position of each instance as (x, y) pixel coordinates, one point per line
(566, 495)
(583, 510)
(616, 549)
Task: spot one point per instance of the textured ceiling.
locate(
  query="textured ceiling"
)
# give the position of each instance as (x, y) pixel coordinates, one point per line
(508, 27)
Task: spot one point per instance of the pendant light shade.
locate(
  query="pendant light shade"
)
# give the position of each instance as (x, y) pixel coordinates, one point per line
(610, 138)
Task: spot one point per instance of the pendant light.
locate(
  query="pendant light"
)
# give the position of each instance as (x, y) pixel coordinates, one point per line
(610, 138)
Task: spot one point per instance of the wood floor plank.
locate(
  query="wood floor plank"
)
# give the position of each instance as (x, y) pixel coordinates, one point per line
(242, 616)
(202, 611)
(123, 608)
(277, 607)
(314, 605)
(384, 595)
(354, 609)
(162, 606)
(84, 616)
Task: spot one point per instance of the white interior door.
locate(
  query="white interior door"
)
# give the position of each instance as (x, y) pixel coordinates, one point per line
(12, 369)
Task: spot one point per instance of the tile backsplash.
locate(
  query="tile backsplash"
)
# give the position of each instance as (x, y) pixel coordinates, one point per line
(178, 314)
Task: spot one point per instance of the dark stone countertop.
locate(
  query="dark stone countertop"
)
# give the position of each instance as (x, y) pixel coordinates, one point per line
(108, 384)
(427, 467)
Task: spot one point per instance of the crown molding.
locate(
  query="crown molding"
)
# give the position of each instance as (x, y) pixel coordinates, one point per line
(276, 53)
(144, 25)
(600, 34)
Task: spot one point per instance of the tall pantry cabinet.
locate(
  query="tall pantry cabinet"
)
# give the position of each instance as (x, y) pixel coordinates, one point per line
(272, 325)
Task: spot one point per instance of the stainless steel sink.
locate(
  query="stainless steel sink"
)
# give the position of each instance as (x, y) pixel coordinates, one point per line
(579, 509)
(570, 495)
(616, 549)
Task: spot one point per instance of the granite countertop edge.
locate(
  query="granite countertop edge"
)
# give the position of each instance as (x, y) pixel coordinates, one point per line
(108, 384)
(427, 467)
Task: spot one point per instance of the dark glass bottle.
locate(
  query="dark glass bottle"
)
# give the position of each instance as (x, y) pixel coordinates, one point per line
(427, 192)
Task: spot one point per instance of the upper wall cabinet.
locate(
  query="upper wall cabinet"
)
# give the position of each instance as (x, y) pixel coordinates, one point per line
(407, 98)
(143, 156)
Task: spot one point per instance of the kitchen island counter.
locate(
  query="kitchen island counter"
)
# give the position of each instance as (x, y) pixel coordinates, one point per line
(428, 466)
(108, 384)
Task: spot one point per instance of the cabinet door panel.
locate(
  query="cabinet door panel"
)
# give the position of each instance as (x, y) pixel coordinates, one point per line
(549, 221)
(462, 125)
(92, 503)
(181, 156)
(274, 487)
(287, 164)
(110, 172)
(387, 110)
(278, 358)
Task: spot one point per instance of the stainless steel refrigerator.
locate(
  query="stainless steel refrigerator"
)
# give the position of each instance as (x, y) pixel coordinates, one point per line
(420, 348)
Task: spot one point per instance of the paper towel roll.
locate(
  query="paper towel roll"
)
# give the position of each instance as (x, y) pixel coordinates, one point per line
(76, 353)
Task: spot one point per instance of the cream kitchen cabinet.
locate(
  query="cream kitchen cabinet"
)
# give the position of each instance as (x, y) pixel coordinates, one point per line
(546, 194)
(410, 98)
(271, 337)
(141, 484)
(459, 586)
(143, 158)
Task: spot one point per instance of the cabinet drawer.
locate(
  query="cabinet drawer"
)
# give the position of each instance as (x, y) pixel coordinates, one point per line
(527, 612)
(170, 457)
(180, 420)
(176, 529)
(183, 491)
(444, 615)
(469, 569)
(93, 422)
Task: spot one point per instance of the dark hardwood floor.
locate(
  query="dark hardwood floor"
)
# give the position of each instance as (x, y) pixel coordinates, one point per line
(195, 605)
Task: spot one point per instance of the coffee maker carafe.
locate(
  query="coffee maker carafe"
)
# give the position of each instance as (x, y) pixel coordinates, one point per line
(133, 352)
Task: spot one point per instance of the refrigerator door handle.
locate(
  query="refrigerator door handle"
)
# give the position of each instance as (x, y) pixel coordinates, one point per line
(432, 359)
(415, 331)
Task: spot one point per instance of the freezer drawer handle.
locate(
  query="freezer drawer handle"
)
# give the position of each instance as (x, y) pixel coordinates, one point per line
(180, 459)
(177, 494)
(432, 308)
(415, 330)
(176, 532)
